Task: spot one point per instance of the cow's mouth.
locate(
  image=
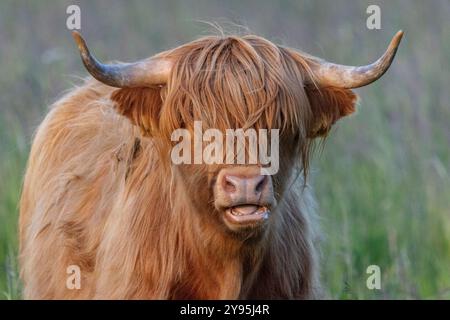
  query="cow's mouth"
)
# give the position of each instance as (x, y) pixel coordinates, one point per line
(247, 214)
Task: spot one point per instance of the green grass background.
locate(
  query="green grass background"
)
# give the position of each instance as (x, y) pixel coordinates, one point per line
(382, 181)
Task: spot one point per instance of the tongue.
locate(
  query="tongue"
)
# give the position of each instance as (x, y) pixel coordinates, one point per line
(244, 210)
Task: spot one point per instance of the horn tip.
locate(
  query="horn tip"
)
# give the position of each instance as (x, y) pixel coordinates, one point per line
(79, 40)
(76, 35)
(398, 37)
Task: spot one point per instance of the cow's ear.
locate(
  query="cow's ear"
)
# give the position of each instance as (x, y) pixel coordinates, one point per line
(328, 105)
(141, 105)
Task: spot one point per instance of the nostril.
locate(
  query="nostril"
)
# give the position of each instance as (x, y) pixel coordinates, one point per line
(229, 185)
(260, 185)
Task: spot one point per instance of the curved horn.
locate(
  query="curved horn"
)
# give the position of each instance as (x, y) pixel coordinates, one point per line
(149, 72)
(336, 75)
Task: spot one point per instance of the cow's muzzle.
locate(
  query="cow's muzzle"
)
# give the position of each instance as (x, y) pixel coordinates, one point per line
(244, 196)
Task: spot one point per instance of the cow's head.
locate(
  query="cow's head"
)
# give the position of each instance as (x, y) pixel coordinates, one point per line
(229, 83)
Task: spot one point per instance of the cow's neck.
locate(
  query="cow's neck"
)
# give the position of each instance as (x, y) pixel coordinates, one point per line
(217, 268)
(215, 265)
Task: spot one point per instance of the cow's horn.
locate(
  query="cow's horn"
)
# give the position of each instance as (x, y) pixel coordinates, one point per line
(149, 72)
(335, 75)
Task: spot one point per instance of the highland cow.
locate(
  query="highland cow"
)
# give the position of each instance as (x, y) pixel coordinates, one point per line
(102, 194)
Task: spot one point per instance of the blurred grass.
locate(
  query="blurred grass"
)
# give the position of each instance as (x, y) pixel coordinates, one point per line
(12, 162)
(382, 182)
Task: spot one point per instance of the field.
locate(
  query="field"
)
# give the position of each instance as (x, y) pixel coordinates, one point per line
(382, 180)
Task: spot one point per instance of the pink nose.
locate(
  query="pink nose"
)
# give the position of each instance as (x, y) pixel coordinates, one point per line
(243, 185)
(250, 186)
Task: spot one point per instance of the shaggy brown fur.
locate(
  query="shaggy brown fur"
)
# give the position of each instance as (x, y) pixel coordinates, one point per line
(100, 191)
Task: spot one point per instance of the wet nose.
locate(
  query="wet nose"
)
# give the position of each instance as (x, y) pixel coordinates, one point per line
(244, 185)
